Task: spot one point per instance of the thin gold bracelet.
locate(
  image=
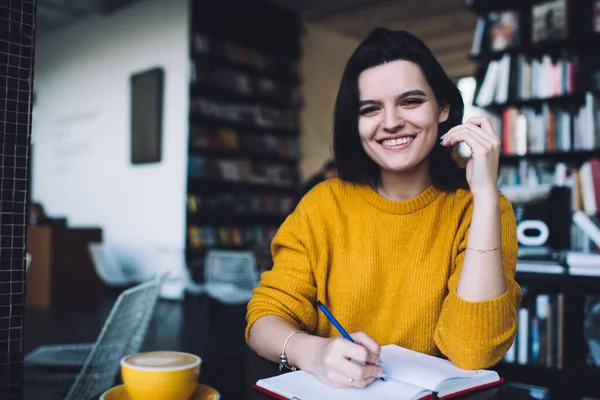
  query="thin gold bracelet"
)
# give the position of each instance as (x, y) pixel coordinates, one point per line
(479, 251)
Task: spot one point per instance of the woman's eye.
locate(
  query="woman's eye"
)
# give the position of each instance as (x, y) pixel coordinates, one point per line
(368, 110)
(412, 102)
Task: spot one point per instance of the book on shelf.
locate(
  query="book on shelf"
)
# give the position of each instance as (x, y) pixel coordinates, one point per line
(583, 264)
(522, 336)
(478, 43)
(410, 376)
(540, 267)
(524, 194)
(589, 187)
(589, 225)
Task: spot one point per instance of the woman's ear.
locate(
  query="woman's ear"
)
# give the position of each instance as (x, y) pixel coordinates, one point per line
(444, 114)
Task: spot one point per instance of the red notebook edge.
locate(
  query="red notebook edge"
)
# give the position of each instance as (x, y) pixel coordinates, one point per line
(280, 397)
(269, 393)
(472, 389)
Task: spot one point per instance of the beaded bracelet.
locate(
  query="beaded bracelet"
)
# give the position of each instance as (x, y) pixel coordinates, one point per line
(283, 357)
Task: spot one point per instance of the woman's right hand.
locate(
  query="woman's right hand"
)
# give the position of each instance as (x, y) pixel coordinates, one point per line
(341, 363)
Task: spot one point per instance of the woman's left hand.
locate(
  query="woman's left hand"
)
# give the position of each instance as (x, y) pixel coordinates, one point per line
(482, 168)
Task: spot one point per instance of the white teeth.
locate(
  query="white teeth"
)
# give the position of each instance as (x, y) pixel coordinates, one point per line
(396, 142)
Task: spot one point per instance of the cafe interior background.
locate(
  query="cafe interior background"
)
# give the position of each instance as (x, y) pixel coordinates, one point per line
(166, 140)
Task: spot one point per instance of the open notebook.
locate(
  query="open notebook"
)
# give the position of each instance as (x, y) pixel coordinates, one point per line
(410, 376)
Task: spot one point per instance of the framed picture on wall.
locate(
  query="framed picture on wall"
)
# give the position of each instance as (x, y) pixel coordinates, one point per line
(146, 116)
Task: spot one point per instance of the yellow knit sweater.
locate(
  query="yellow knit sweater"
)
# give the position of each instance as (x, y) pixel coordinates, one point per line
(390, 269)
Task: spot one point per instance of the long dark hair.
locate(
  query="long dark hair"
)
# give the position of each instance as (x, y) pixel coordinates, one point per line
(382, 46)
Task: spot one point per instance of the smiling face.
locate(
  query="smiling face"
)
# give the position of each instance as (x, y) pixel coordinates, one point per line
(398, 116)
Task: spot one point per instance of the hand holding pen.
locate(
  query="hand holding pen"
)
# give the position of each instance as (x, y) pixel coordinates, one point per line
(351, 360)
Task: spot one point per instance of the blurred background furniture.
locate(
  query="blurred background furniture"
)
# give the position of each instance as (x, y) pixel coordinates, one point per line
(61, 273)
(107, 266)
(230, 276)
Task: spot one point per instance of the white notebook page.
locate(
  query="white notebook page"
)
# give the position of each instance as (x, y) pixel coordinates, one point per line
(427, 371)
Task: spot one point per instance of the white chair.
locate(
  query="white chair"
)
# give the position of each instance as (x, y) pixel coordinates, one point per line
(170, 262)
(230, 276)
(145, 262)
(107, 266)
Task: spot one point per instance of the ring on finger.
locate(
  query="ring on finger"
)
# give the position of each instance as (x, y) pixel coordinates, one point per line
(350, 380)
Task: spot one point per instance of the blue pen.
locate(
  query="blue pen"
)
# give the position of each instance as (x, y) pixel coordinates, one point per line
(335, 323)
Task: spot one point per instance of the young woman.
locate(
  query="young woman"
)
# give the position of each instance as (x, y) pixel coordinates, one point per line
(405, 247)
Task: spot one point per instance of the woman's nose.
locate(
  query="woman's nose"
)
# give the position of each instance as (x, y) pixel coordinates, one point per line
(393, 121)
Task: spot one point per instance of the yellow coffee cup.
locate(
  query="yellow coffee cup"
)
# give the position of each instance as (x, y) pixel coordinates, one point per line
(160, 375)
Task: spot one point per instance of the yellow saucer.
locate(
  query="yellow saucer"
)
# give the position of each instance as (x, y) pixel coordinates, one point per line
(202, 392)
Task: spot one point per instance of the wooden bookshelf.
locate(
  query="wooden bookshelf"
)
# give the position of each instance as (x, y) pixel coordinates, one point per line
(556, 108)
(244, 131)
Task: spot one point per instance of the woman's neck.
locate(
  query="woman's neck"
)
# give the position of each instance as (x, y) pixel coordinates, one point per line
(404, 186)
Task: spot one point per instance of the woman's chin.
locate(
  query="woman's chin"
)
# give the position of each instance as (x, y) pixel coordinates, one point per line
(399, 168)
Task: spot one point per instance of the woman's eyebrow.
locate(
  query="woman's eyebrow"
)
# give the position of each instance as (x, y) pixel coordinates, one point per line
(414, 92)
(408, 93)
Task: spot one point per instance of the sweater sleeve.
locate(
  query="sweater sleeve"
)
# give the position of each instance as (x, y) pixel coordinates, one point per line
(288, 290)
(475, 335)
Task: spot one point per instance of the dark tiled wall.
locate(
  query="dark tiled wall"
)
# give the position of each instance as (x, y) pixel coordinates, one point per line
(16, 81)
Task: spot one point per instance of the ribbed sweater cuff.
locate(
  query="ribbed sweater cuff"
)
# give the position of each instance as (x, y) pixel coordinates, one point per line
(259, 308)
(476, 335)
(485, 320)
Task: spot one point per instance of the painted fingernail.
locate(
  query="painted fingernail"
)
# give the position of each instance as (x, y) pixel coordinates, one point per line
(441, 141)
(379, 363)
(381, 374)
